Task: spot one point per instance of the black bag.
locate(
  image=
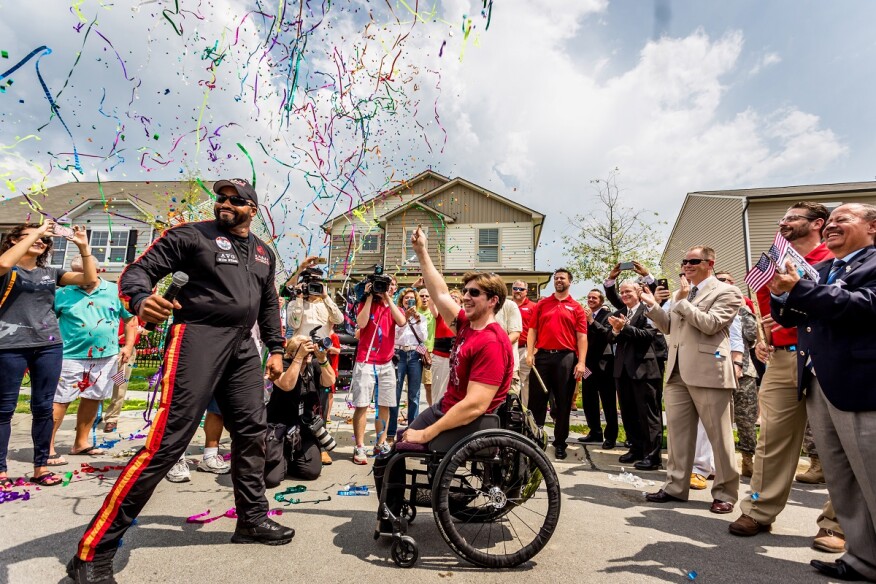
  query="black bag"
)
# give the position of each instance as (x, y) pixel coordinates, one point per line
(275, 455)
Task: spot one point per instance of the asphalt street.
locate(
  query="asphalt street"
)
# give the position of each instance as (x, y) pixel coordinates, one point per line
(607, 531)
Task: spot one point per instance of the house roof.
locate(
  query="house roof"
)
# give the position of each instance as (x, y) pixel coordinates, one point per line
(385, 195)
(789, 191)
(155, 198)
(418, 202)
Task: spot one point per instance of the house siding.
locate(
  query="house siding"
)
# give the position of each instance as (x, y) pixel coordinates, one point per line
(715, 222)
(467, 205)
(397, 249)
(515, 247)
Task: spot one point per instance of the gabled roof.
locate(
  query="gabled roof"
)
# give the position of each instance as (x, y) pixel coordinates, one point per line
(790, 191)
(150, 197)
(385, 195)
(418, 202)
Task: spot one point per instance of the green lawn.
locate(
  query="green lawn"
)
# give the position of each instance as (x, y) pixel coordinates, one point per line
(139, 382)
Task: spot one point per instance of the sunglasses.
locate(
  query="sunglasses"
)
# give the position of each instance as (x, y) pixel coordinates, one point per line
(725, 280)
(473, 292)
(693, 262)
(235, 200)
(516, 289)
(46, 240)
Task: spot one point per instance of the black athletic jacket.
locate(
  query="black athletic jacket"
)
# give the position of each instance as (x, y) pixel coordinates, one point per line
(231, 280)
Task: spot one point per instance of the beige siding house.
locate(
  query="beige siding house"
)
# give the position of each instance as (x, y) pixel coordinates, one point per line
(468, 228)
(741, 224)
(121, 222)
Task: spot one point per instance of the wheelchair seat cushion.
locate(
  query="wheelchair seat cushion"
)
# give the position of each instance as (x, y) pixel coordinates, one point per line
(402, 446)
(445, 440)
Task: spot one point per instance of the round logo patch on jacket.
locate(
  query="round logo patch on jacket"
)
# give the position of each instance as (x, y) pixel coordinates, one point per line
(223, 243)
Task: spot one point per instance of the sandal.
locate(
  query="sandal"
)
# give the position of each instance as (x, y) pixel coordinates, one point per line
(48, 479)
(6, 483)
(90, 451)
(56, 460)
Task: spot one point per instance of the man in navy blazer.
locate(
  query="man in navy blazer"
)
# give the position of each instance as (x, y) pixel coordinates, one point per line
(836, 320)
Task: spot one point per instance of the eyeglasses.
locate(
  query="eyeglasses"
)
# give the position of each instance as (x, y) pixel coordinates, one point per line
(792, 218)
(516, 289)
(725, 280)
(235, 200)
(473, 292)
(693, 262)
(44, 240)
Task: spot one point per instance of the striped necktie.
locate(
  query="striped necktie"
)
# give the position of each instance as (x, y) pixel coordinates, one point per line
(692, 294)
(835, 271)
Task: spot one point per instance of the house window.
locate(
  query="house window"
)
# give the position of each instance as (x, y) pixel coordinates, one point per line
(488, 246)
(409, 258)
(110, 248)
(59, 252)
(371, 243)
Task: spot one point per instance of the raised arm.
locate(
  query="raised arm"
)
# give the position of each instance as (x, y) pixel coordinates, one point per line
(435, 283)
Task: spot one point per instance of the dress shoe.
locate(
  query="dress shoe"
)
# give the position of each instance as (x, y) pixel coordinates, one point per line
(560, 452)
(662, 496)
(745, 526)
(609, 445)
(827, 540)
(590, 439)
(628, 444)
(838, 569)
(721, 507)
(698, 482)
(630, 457)
(647, 464)
(268, 532)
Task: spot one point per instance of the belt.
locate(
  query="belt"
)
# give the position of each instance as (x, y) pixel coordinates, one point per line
(406, 348)
(789, 348)
(556, 351)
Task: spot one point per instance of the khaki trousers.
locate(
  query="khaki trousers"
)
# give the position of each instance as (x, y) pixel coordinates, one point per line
(685, 405)
(112, 412)
(827, 519)
(524, 376)
(847, 446)
(782, 423)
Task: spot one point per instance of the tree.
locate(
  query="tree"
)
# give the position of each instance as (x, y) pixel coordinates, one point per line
(612, 233)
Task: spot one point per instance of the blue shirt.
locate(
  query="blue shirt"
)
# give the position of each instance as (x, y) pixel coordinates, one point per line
(89, 322)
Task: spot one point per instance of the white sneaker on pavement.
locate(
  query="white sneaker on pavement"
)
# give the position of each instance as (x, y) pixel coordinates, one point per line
(360, 455)
(214, 464)
(179, 473)
(381, 449)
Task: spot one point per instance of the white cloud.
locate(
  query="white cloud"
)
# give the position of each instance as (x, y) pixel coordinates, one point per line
(765, 61)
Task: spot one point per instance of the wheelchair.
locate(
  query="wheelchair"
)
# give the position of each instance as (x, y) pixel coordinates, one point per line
(494, 494)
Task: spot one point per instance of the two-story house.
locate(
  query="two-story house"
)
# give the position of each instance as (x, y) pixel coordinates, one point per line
(468, 228)
(121, 217)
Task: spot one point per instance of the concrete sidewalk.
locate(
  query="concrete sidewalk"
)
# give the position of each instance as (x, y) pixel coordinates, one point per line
(607, 532)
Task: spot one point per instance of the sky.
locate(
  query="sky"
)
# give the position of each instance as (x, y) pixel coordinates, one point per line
(334, 102)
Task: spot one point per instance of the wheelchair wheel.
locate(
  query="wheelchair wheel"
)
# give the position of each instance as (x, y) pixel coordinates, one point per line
(408, 511)
(405, 552)
(492, 513)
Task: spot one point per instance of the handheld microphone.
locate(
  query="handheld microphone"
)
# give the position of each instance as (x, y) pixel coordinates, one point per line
(179, 280)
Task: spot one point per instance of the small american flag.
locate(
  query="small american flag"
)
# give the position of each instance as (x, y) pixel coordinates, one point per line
(762, 272)
(119, 377)
(587, 373)
(778, 248)
(421, 349)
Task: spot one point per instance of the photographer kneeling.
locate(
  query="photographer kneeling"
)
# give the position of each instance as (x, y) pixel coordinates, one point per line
(294, 413)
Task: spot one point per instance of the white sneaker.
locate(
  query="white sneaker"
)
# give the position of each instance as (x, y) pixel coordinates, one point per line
(381, 449)
(214, 464)
(360, 455)
(180, 472)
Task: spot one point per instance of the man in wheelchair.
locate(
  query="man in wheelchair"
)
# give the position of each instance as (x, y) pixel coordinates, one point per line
(481, 363)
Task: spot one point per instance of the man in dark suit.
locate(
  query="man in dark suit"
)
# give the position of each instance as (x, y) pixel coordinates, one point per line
(638, 375)
(600, 384)
(836, 361)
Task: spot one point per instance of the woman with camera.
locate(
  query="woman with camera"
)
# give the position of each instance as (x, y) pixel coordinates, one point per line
(410, 346)
(310, 304)
(294, 404)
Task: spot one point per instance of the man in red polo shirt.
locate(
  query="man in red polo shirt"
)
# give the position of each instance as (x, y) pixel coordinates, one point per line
(527, 308)
(556, 346)
(782, 414)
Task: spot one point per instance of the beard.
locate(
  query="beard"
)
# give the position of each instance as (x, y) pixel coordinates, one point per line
(560, 287)
(229, 222)
(795, 233)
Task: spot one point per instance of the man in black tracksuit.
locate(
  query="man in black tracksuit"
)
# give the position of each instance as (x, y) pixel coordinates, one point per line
(209, 351)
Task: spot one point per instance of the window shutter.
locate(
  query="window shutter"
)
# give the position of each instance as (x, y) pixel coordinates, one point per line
(132, 246)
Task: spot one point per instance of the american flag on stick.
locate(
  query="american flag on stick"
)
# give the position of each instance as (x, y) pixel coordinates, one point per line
(762, 272)
(778, 248)
(119, 377)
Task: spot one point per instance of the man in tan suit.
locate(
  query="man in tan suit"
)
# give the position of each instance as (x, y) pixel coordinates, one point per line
(700, 377)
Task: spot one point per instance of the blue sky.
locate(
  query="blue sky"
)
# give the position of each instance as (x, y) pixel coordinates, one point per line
(717, 95)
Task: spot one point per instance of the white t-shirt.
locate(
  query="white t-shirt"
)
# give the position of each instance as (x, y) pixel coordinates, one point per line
(510, 320)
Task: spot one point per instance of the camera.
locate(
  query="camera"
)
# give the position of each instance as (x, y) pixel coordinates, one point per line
(324, 342)
(379, 282)
(316, 425)
(309, 283)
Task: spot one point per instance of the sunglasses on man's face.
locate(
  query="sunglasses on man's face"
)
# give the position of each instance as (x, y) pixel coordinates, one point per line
(693, 262)
(473, 292)
(725, 280)
(516, 289)
(235, 200)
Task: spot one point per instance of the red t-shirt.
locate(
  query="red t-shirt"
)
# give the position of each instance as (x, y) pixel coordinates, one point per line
(527, 309)
(558, 322)
(483, 356)
(443, 338)
(377, 339)
(783, 337)
(334, 358)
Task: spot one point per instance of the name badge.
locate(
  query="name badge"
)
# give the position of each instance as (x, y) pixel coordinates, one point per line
(226, 258)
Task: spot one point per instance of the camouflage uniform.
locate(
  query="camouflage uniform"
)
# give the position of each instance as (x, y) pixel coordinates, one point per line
(745, 394)
(809, 442)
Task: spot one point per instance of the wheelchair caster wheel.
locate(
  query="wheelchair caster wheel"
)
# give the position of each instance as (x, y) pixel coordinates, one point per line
(405, 552)
(409, 512)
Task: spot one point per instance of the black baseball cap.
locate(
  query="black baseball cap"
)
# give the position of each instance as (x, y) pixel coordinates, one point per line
(241, 185)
